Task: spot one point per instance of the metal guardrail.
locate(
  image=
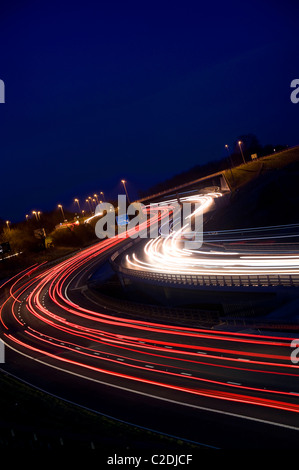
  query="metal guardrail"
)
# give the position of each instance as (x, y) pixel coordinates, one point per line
(175, 189)
(270, 280)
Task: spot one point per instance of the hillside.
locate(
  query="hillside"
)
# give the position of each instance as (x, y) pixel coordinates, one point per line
(264, 193)
(244, 173)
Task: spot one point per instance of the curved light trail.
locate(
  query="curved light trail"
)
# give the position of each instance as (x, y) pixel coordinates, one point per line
(46, 314)
(215, 257)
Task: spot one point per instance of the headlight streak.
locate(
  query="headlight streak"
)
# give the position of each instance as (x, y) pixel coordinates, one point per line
(164, 255)
(77, 326)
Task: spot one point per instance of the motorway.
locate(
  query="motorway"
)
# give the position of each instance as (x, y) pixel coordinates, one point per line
(220, 389)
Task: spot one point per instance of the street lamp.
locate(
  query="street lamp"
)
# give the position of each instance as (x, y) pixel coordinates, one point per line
(38, 214)
(240, 145)
(7, 223)
(61, 208)
(90, 208)
(96, 196)
(77, 201)
(35, 213)
(27, 217)
(124, 183)
(231, 161)
(90, 202)
(102, 194)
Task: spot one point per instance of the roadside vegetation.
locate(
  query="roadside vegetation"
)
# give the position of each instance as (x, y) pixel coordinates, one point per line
(264, 193)
(38, 241)
(242, 174)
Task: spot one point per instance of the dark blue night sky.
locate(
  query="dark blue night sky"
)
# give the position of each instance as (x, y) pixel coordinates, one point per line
(99, 91)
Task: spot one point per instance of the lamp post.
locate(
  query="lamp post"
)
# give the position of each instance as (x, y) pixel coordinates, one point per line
(240, 145)
(124, 183)
(102, 195)
(35, 213)
(92, 204)
(61, 208)
(88, 201)
(231, 162)
(7, 223)
(226, 146)
(77, 201)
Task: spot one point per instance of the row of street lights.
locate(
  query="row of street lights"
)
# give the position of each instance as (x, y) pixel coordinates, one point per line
(36, 214)
(96, 199)
(90, 201)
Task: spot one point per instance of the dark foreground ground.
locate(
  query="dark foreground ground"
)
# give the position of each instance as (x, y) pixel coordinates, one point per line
(32, 419)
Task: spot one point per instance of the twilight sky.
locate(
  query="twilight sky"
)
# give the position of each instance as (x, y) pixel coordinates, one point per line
(99, 91)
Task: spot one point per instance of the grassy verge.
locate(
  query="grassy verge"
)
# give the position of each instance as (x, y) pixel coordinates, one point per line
(243, 174)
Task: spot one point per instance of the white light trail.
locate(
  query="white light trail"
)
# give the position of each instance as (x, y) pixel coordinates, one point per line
(168, 255)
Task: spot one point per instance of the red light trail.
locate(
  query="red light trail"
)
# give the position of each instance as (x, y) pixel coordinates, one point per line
(40, 317)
